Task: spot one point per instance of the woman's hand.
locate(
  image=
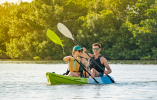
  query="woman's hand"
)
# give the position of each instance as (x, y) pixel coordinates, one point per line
(84, 49)
(74, 57)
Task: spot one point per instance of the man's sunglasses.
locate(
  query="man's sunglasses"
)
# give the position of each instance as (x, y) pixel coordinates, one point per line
(95, 48)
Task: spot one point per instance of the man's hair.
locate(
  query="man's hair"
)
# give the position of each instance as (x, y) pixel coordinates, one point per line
(97, 44)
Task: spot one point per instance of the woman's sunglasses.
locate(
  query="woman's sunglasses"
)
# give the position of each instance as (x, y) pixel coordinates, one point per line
(95, 48)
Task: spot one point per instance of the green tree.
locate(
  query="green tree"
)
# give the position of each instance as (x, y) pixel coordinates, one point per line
(138, 12)
(98, 28)
(145, 35)
(154, 50)
(123, 48)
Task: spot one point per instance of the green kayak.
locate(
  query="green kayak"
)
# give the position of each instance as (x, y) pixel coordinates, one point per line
(53, 78)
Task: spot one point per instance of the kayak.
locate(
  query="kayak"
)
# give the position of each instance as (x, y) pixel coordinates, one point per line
(53, 78)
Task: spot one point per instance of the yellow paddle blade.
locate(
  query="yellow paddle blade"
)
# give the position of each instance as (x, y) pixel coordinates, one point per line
(52, 36)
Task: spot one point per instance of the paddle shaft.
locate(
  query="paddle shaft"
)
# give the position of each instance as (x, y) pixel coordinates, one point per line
(80, 64)
(95, 62)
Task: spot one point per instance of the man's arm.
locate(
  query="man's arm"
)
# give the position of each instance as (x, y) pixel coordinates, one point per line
(104, 60)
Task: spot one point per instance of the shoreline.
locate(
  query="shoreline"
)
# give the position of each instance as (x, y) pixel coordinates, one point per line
(24, 61)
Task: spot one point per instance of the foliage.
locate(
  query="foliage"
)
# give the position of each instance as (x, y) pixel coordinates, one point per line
(36, 58)
(126, 29)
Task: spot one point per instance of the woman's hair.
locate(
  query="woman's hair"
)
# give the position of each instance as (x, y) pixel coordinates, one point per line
(81, 50)
(97, 44)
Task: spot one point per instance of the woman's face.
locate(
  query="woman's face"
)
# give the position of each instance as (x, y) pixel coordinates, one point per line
(76, 53)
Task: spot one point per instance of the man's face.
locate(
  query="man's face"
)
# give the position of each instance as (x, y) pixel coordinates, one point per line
(96, 49)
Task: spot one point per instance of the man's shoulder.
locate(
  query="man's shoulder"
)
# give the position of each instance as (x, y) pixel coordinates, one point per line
(103, 58)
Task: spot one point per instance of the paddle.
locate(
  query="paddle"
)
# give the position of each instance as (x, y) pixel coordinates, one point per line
(65, 31)
(52, 36)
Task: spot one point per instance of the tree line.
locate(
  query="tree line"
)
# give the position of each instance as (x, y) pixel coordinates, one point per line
(126, 29)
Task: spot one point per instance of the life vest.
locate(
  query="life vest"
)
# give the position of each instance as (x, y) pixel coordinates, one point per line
(93, 65)
(74, 66)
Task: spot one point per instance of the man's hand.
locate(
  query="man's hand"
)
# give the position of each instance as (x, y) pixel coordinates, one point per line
(105, 72)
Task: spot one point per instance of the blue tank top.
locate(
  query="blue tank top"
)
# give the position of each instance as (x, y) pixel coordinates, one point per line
(93, 65)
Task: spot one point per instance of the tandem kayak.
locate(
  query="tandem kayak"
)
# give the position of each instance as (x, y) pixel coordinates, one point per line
(53, 78)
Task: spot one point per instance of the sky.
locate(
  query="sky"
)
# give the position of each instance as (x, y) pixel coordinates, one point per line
(14, 1)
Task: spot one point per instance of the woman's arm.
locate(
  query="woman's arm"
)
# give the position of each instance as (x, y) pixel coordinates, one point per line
(83, 54)
(85, 63)
(67, 58)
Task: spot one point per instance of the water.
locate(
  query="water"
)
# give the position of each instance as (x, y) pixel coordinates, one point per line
(27, 81)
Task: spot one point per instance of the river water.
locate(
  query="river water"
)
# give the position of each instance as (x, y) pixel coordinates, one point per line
(27, 81)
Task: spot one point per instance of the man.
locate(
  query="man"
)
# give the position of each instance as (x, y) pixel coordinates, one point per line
(95, 70)
(75, 68)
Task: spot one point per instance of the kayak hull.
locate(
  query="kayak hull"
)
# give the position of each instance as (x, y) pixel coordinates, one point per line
(53, 78)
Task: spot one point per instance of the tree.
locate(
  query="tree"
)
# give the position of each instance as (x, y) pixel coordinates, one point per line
(154, 50)
(98, 28)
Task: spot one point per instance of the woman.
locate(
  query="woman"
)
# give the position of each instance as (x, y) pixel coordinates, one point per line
(75, 68)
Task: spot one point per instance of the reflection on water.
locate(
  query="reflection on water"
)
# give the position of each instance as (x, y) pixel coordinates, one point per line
(18, 61)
